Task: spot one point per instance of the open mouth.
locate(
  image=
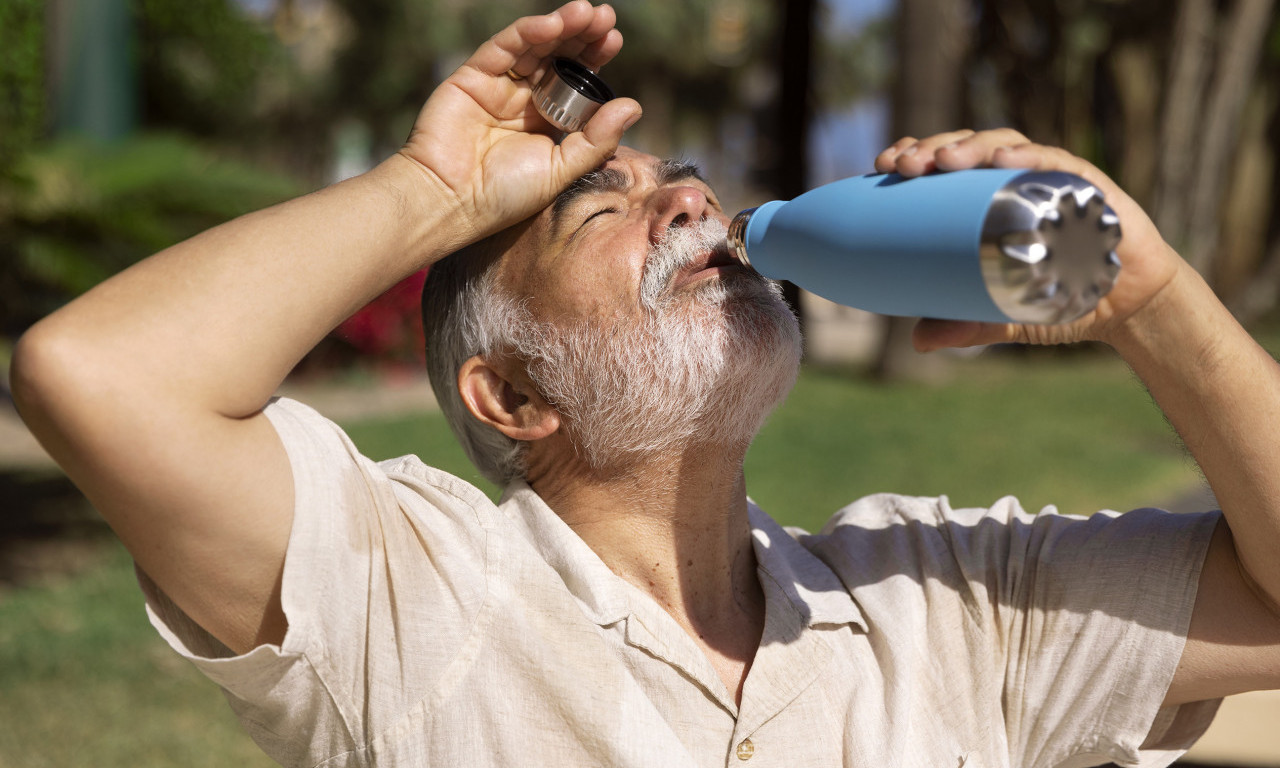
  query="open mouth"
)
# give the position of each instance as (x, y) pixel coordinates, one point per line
(711, 264)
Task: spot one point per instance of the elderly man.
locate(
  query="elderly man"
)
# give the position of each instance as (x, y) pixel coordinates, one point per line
(625, 604)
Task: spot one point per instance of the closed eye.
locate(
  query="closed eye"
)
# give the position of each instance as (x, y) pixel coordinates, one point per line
(600, 212)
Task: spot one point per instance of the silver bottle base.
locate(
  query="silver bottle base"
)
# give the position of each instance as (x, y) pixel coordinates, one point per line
(1048, 248)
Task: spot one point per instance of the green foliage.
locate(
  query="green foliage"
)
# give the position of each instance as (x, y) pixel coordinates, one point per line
(852, 66)
(22, 98)
(204, 64)
(699, 50)
(690, 37)
(73, 212)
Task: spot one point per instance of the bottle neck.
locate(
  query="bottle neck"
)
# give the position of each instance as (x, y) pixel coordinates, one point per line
(737, 237)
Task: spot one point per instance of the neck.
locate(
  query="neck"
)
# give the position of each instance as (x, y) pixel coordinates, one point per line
(676, 527)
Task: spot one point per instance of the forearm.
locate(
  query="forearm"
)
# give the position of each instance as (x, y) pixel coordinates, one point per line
(219, 320)
(1221, 392)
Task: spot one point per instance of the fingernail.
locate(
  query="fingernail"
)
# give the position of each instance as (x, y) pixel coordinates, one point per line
(909, 151)
(952, 145)
(632, 120)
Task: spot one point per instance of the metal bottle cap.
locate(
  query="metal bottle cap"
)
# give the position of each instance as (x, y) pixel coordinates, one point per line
(1048, 247)
(737, 236)
(569, 94)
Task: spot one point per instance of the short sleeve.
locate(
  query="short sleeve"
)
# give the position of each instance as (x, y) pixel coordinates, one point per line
(1093, 616)
(1071, 627)
(384, 580)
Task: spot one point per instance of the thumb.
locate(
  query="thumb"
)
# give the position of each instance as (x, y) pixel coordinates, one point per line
(930, 334)
(587, 149)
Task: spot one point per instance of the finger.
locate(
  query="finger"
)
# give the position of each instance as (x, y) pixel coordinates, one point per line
(583, 26)
(920, 157)
(505, 51)
(602, 51)
(977, 149)
(885, 160)
(1041, 158)
(603, 21)
(929, 334)
(598, 140)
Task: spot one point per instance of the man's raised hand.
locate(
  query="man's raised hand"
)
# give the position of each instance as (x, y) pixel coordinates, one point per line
(481, 141)
(1148, 264)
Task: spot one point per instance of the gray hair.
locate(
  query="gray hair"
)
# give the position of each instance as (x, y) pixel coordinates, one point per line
(465, 314)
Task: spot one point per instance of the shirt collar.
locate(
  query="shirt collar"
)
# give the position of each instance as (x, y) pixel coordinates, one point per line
(813, 590)
(808, 583)
(602, 594)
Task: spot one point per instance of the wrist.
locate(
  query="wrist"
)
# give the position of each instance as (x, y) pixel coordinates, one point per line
(1183, 325)
(427, 213)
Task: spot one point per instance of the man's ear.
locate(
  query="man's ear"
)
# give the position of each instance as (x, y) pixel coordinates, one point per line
(501, 395)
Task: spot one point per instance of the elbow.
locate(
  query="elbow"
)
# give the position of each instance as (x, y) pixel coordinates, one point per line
(25, 369)
(43, 376)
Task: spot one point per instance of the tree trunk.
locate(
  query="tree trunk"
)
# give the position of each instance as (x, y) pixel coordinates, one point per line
(933, 41)
(1252, 290)
(795, 111)
(1259, 297)
(1133, 70)
(1184, 94)
(1246, 204)
(1238, 55)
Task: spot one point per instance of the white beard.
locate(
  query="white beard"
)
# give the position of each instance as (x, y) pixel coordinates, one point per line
(703, 367)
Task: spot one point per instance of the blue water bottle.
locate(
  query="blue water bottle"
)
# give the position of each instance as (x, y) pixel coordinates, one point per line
(994, 245)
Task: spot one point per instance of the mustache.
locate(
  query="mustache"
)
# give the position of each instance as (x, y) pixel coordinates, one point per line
(679, 248)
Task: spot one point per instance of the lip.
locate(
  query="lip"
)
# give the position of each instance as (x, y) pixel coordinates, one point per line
(712, 264)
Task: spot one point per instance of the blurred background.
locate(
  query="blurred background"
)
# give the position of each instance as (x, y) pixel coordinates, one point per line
(127, 125)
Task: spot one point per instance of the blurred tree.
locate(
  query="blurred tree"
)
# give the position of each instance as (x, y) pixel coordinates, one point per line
(1175, 100)
(93, 84)
(22, 78)
(386, 68)
(933, 39)
(74, 212)
(1170, 98)
(700, 68)
(794, 115)
(1213, 72)
(207, 69)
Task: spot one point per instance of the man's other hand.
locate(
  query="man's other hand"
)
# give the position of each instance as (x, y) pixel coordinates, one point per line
(1148, 264)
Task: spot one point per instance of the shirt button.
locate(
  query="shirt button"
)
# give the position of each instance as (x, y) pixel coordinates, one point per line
(746, 749)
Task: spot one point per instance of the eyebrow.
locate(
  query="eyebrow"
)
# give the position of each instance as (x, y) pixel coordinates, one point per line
(605, 180)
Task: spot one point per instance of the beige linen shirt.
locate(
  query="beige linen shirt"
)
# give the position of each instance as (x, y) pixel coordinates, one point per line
(431, 627)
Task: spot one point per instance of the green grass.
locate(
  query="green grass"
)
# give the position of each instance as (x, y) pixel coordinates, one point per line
(1082, 436)
(85, 681)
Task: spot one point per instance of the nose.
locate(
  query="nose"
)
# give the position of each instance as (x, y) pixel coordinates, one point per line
(675, 206)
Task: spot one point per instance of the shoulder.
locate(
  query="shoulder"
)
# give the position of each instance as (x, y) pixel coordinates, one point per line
(329, 470)
(904, 529)
(889, 509)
